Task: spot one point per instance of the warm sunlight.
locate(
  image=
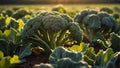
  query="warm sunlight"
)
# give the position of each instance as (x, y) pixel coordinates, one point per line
(59, 33)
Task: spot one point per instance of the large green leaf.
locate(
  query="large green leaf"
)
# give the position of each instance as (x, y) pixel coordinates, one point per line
(114, 61)
(9, 41)
(1, 55)
(88, 60)
(115, 42)
(100, 39)
(13, 24)
(99, 60)
(23, 51)
(14, 59)
(2, 23)
(1, 34)
(6, 48)
(7, 62)
(4, 62)
(90, 53)
(108, 55)
(82, 48)
(61, 52)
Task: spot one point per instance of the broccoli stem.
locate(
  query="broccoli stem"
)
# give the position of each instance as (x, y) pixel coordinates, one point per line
(89, 33)
(63, 41)
(44, 34)
(39, 34)
(46, 48)
(52, 40)
(61, 37)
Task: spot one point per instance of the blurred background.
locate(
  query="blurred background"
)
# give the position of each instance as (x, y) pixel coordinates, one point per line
(56, 1)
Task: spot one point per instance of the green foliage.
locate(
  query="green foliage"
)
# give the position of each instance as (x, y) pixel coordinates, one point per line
(9, 39)
(116, 16)
(9, 12)
(115, 39)
(79, 48)
(62, 58)
(52, 29)
(61, 52)
(7, 61)
(11, 43)
(97, 26)
(106, 9)
(92, 21)
(59, 8)
(23, 51)
(91, 53)
(20, 13)
(101, 59)
(76, 32)
(2, 23)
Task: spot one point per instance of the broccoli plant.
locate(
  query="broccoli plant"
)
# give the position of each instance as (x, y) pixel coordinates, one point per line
(7, 61)
(11, 43)
(20, 13)
(115, 39)
(7, 23)
(51, 29)
(101, 59)
(2, 22)
(94, 22)
(16, 24)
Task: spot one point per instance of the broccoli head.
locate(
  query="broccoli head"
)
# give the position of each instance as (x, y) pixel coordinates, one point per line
(92, 21)
(79, 17)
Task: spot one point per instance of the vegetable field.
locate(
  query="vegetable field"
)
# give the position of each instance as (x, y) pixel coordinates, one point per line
(60, 36)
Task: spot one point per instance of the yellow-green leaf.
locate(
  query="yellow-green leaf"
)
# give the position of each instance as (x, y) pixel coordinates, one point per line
(15, 59)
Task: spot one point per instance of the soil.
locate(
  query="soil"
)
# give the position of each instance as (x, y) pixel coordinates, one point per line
(34, 58)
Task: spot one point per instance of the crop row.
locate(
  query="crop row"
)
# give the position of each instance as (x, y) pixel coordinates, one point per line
(80, 39)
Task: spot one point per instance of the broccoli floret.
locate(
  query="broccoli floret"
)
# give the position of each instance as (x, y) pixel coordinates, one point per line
(108, 22)
(92, 21)
(76, 31)
(79, 17)
(50, 29)
(103, 14)
(55, 24)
